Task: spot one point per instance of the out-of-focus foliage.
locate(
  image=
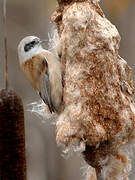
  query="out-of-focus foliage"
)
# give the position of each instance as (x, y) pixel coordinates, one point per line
(115, 7)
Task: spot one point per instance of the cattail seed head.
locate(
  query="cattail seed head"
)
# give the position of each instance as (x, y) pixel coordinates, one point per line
(12, 137)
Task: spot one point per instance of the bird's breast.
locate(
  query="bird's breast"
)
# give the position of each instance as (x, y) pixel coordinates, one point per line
(34, 69)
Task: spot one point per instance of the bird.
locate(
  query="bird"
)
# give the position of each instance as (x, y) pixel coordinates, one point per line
(43, 70)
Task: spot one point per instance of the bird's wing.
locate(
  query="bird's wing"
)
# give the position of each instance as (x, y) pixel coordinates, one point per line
(44, 86)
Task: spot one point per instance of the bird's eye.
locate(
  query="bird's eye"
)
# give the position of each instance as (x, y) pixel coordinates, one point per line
(30, 45)
(34, 42)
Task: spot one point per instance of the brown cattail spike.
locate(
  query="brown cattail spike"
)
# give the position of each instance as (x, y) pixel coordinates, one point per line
(12, 137)
(68, 1)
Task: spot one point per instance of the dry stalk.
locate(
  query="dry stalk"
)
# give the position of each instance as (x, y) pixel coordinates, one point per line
(5, 44)
(99, 111)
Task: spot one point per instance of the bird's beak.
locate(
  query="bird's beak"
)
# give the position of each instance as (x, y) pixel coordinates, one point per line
(41, 41)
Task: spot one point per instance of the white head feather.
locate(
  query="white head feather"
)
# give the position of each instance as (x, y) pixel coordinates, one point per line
(25, 55)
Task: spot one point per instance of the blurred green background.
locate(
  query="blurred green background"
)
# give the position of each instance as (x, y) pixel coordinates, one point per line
(28, 17)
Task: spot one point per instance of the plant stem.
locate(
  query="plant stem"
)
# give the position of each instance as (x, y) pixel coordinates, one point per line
(5, 45)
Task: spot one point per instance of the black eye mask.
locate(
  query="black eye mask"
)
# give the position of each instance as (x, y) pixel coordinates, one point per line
(30, 45)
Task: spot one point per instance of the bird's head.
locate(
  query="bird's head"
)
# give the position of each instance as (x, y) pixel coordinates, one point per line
(29, 47)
